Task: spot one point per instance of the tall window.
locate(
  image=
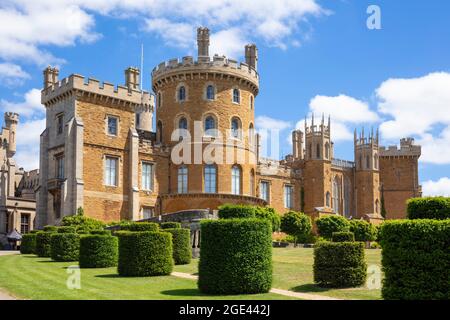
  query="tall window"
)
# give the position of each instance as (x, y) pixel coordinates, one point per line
(183, 126)
(251, 134)
(148, 212)
(159, 100)
(182, 93)
(288, 197)
(328, 200)
(159, 132)
(252, 182)
(60, 122)
(367, 162)
(236, 96)
(375, 161)
(60, 167)
(336, 195)
(318, 151)
(183, 179)
(264, 190)
(327, 151)
(112, 126)
(236, 180)
(210, 126)
(147, 176)
(210, 176)
(138, 119)
(111, 171)
(210, 93)
(235, 128)
(24, 223)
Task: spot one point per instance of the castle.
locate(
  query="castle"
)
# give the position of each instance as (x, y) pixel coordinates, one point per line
(100, 151)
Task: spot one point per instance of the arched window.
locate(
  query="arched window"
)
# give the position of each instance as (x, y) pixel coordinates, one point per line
(328, 200)
(360, 162)
(159, 99)
(377, 206)
(375, 161)
(318, 151)
(251, 134)
(210, 93)
(252, 182)
(236, 180)
(182, 179)
(210, 177)
(367, 162)
(327, 151)
(182, 93)
(210, 126)
(159, 132)
(310, 151)
(236, 128)
(336, 195)
(236, 96)
(183, 127)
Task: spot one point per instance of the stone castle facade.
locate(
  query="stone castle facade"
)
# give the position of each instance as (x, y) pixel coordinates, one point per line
(100, 151)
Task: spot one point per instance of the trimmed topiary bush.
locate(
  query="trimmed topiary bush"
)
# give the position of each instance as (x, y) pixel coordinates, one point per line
(296, 224)
(83, 223)
(364, 231)
(181, 240)
(343, 237)
(236, 256)
(233, 211)
(339, 264)
(269, 214)
(28, 244)
(141, 227)
(170, 225)
(50, 229)
(101, 232)
(65, 246)
(99, 251)
(66, 229)
(144, 254)
(329, 224)
(43, 244)
(429, 208)
(416, 259)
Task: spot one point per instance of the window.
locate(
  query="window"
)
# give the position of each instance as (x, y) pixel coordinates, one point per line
(24, 223)
(377, 206)
(182, 93)
(367, 162)
(138, 119)
(310, 151)
(147, 176)
(327, 151)
(60, 122)
(347, 187)
(252, 183)
(183, 179)
(148, 212)
(264, 190)
(318, 151)
(159, 100)
(210, 126)
(251, 134)
(236, 180)
(111, 171)
(288, 197)
(251, 102)
(236, 96)
(236, 128)
(328, 200)
(210, 179)
(60, 167)
(336, 195)
(210, 93)
(112, 126)
(183, 127)
(375, 161)
(159, 132)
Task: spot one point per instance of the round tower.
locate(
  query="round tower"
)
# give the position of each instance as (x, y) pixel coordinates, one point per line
(11, 121)
(205, 104)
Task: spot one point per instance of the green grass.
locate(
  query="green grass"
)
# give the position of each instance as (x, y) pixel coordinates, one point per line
(293, 271)
(30, 277)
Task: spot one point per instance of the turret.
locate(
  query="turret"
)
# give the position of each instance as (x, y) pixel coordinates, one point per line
(203, 42)
(50, 77)
(366, 151)
(251, 56)
(132, 78)
(318, 140)
(11, 121)
(297, 144)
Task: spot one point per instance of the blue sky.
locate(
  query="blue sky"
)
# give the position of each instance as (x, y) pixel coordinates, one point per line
(313, 56)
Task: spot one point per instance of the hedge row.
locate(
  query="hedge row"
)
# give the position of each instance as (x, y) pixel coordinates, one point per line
(141, 227)
(343, 237)
(28, 244)
(170, 225)
(416, 259)
(98, 251)
(43, 243)
(233, 211)
(429, 208)
(181, 240)
(339, 264)
(236, 256)
(65, 246)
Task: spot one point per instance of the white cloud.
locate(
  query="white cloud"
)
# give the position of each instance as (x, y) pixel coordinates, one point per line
(173, 33)
(31, 106)
(269, 130)
(436, 149)
(268, 123)
(228, 42)
(12, 75)
(437, 188)
(28, 140)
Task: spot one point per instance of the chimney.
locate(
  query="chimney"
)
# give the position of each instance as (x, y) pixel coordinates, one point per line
(203, 42)
(132, 78)
(251, 56)
(50, 77)
(297, 143)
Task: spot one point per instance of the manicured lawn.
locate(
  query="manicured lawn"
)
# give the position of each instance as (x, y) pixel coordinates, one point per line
(30, 277)
(293, 271)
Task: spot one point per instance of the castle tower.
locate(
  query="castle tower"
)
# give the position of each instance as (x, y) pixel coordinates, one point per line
(367, 177)
(11, 121)
(132, 78)
(399, 176)
(50, 76)
(317, 172)
(297, 144)
(251, 56)
(208, 100)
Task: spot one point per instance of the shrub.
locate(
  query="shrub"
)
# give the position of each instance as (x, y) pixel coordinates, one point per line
(232, 211)
(339, 264)
(28, 244)
(34, 231)
(170, 225)
(50, 229)
(269, 214)
(343, 237)
(82, 223)
(416, 259)
(296, 224)
(145, 254)
(364, 231)
(329, 224)
(43, 245)
(181, 240)
(429, 208)
(140, 227)
(99, 251)
(101, 232)
(65, 246)
(66, 229)
(236, 256)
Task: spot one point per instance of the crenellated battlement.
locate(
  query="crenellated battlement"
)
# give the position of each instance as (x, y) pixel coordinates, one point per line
(408, 148)
(93, 86)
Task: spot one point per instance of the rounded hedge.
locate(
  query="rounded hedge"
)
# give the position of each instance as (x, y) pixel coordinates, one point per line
(236, 256)
(364, 231)
(43, 244)
(233, 211)
(101, 232)
(343, 237)
(28, 244)
(65, 246)
(170, 225)
(99, 251)
(144, 254)
(182, 250)
(50, 229)
(429, 208)
(339, 264)
(329, 224)
(141, 227)
(66, 229)
(269, 214)
(416, 259)
(296, 224)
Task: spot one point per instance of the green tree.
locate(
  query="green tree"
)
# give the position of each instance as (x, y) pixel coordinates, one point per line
(329, 224)
(296, 224)
(269, 214)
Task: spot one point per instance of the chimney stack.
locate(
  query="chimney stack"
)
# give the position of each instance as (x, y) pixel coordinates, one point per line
(203, 42)
(50, 77)
(132, 78)
(251, 56)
